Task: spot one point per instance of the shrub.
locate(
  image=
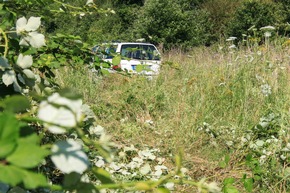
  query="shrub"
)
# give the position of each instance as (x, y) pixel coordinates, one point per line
(255, 13)
(168, 23)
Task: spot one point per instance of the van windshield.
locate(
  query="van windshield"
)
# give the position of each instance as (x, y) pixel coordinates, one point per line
(140, 52)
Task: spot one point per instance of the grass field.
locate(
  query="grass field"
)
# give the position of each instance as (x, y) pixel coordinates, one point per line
(227, 109)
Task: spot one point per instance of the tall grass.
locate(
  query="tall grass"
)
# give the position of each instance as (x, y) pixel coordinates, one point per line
(203, 101)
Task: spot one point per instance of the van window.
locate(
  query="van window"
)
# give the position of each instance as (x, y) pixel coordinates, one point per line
(140, 52)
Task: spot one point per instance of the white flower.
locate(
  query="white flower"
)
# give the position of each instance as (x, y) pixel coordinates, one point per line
(213, 187)
(146, 169)
(59, 112)
(283, 157)
(267, 28)
(229, 143)
(160, 167)
(29, 74)
(22, 25)
(98, 130)
(231, 39)
(35, 39)
(89, 2)
(27, 30)
(8, 77)
(100, 163)
(267, 34)
(24, 61)
(260, 143)
(233, 46)
(266, 89)
(158, 173)
(169, 185)
(68, 157)
(146, 154)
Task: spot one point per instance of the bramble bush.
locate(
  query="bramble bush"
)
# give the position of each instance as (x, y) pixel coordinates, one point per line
(49, 140)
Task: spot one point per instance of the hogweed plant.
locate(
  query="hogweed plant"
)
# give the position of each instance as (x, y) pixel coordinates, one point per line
(44, 127)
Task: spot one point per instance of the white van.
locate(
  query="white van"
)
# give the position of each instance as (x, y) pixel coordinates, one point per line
(136, 57)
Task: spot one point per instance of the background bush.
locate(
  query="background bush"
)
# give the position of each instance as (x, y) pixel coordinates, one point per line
(171, 23)
(255, 13)
(185, 23)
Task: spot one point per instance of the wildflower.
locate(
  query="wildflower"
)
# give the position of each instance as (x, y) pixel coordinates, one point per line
(267, 28)
(58, 112)
(24, 61)
(89, 114)
(231, 39)
(283, 157)
(267, 34)
(266, 89)
(28, 74)
(229, 143)
(100, 163)
(146, 169)
(252, 28)
(89, 2)
(68, 157)
(27, 31)
(146, 154)
(98, 130)
(233, 46)
(22, 25)
(169, 185)
(9, 78)
(213, 187)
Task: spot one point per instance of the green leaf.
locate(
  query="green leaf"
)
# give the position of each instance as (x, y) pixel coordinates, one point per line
(116, 60)
(222, 164)
(102, 175)
(104, 71)
(230, 189)
(70, 180)
(10, 175)
(9, 133)
(178, 160)
(228, 181)
(248, 184)
(227, 159)
(86, 188)
(33, 180)
(161, 190)
(139, 68)
(16, 103)
(28, 154)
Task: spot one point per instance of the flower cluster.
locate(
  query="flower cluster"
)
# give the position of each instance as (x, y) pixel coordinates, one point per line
(133, 163)
(28, 32)
(21, 72)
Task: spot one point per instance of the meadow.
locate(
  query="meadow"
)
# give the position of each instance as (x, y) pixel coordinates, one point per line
(226, 108)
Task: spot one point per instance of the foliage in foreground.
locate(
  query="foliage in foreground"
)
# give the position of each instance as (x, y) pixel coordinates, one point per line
(50, 140)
